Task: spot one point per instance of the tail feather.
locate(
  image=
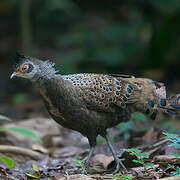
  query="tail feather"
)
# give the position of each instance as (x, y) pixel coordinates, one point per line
(172, 105)
(175, 106)
(172, 112)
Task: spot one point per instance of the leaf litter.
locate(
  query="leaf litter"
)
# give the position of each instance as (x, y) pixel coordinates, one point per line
(56, 159)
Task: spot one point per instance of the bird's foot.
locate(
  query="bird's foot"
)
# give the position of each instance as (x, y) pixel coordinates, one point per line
(84, 171)
(86, 162)
(85, 166)
(119, 166)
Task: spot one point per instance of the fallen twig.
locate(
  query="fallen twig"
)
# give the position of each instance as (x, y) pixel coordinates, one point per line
(21, 151)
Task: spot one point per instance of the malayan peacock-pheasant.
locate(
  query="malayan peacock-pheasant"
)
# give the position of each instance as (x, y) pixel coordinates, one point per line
(91, 103)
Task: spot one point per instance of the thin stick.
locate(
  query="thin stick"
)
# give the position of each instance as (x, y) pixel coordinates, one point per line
(20, 151)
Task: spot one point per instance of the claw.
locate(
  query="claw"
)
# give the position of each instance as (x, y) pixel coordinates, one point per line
(119, 164)
(87, 162)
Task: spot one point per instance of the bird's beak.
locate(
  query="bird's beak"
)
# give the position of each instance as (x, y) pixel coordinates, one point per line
(14, 74)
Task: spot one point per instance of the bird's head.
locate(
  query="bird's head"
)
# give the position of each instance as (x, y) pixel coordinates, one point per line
(32, 68)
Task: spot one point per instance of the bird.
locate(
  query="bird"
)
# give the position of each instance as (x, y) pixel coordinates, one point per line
(92, 103)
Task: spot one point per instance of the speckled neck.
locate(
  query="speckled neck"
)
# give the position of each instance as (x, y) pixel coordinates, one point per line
(45, 72)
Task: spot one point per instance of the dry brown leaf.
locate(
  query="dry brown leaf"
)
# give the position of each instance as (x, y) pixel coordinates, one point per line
(102, 160)
(151, 135)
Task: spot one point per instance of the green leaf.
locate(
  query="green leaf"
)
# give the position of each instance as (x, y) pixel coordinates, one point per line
(143, 155)
(37, 173)
(138, 161)
(176, 145)
(149, 165)
(175, 154)
(7, 161)
(123, 177)
(174, 138)
(23, 131)
(35, 167)
(80, 164)
(4, 118)
(77, 160)
(132, 151)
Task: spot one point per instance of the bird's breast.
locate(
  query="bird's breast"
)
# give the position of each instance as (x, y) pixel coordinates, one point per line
(51, 108)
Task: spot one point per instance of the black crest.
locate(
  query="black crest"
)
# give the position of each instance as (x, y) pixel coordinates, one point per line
(18, 58)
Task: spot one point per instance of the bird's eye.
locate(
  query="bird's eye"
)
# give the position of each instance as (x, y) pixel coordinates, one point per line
(24, 68)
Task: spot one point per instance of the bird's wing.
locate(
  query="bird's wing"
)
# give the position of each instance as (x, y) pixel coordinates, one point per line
(105, 92)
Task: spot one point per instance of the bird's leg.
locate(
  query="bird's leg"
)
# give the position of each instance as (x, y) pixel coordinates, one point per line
(92, 143)
(118, 161)
(86, 164)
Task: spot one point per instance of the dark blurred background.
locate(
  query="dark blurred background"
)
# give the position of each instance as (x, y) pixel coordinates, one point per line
(137, 37)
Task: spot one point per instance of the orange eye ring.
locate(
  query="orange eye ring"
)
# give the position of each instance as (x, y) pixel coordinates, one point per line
(24, 68)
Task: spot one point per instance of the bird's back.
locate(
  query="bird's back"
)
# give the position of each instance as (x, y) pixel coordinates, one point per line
(114, 93)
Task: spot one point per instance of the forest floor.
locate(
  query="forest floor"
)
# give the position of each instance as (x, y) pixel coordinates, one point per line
(61, 152)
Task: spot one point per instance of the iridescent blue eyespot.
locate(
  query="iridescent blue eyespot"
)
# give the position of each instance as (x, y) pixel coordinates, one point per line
(163, 102)
(127, 95)
(128, 90)
(118, 87)
(110, 99)
(104, 88)
(117, 93)
(110, 89)
(150, 103)
(129, 86)
(117, 82)
(153, 115)
(107, 89)
(123, 104)
(102, 95)
(94, 87)
(124, 98)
